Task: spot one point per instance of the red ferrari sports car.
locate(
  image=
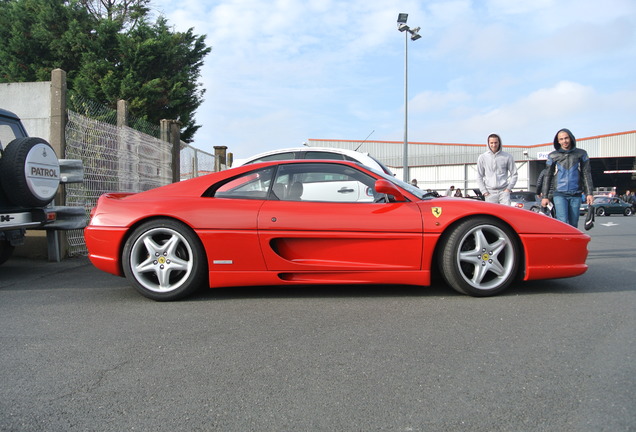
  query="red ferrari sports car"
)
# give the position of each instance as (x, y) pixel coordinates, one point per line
(305, 222)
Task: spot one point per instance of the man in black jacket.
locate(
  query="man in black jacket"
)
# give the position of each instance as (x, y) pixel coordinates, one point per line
(570, 169)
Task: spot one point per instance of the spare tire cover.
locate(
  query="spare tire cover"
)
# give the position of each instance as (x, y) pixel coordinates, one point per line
(29, 172)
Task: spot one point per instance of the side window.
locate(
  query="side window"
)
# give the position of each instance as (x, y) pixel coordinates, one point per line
(7, 134)
(275, 157)
(251, 185)
(324, 183)
(280, 188)
(323, 155)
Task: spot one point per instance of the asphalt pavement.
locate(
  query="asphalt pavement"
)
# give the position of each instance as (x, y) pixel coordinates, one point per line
(82, 351)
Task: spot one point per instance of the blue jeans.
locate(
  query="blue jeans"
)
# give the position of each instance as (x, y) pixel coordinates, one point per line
(567, 208)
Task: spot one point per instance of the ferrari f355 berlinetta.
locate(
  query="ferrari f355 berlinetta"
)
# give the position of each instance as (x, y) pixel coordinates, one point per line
(304, 222)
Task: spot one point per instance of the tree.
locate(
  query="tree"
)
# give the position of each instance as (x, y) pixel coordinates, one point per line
(109, 54)
(126, 12)
(40, 35)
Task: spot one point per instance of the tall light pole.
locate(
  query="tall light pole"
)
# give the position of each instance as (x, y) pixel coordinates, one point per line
(401, 23)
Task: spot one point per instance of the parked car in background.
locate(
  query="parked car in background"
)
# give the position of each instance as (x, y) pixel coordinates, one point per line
(330, 153)
(606, 205)
(478, 195)
(526, 200)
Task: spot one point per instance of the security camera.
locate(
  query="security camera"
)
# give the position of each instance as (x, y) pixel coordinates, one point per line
(525, 152)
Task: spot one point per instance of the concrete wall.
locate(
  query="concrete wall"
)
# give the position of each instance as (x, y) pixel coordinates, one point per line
(32, 103)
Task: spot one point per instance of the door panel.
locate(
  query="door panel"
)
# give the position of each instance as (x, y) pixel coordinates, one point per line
(320, 236)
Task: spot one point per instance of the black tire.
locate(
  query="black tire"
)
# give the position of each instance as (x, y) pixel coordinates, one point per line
(601, 211)
(6, 250)
(628, 211)
(480, 257)
(18, 188)
(164, 260)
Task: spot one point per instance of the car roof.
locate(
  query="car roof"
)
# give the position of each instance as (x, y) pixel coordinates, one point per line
(6, 113)
(363, 158)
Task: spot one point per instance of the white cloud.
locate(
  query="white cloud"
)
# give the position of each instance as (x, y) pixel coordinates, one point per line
(283, 71)
(533, 118)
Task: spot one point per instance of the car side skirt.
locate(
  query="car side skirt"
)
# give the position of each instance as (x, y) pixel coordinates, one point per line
(220, 279)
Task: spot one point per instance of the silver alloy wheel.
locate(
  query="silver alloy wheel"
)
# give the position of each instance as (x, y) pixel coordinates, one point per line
(161, 260)
(485, 257)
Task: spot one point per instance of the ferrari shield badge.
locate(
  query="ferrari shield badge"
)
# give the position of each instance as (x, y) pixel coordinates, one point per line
(437, 211)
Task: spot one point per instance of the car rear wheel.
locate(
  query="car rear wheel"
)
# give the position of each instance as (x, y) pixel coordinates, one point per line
(600, 211)
(628, 211)
(480, 257)
(164, 260)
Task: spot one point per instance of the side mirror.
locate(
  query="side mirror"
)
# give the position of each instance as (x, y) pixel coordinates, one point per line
(386, 187)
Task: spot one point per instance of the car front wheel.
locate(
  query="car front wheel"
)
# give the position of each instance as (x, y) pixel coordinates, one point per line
(600, 211)
(480, 257)
(164, 260)
(628, 211)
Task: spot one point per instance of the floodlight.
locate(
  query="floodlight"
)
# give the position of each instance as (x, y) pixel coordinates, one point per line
(402, 18)
(403, 27)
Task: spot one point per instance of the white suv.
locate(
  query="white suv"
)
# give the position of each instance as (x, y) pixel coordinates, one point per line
(317, 153)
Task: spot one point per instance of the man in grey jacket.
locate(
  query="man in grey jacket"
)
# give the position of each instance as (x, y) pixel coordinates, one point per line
(496, 172)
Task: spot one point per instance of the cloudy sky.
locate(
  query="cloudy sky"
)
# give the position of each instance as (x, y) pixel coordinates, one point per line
(283, 71)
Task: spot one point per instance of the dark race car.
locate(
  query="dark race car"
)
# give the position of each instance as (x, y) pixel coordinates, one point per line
(606, 205)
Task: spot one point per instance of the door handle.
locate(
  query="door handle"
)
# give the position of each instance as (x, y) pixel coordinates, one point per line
(345, 190)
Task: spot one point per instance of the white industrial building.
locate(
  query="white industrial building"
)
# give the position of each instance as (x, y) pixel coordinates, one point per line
(437, 166)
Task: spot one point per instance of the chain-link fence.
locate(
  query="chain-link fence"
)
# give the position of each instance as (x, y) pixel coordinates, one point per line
(119, 159)
(115, 159)
(195, 162)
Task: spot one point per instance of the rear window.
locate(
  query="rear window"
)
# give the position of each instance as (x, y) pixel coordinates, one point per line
(9, 130)
(251, 185)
